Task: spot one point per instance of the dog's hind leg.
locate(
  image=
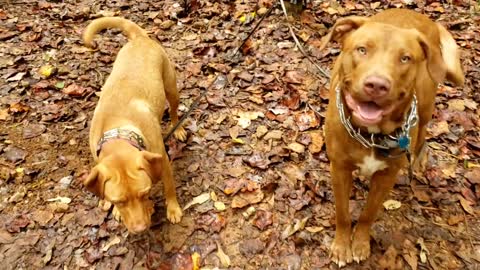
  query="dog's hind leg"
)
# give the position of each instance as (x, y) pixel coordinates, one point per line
(173, 98)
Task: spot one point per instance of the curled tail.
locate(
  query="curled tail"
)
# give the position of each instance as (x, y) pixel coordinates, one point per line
(451, 56)
(129, 28)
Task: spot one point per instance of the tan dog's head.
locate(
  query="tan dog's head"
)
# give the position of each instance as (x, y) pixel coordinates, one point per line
(124, 178)
(379, 67)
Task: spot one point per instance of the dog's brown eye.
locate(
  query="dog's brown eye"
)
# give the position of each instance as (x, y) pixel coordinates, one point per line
(405, 59)
(362, 50)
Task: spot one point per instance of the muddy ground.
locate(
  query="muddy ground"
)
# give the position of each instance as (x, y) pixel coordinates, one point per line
(254, 157)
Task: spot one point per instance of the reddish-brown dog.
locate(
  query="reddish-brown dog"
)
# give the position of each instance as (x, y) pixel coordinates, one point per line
(125, 133)
(383, 83)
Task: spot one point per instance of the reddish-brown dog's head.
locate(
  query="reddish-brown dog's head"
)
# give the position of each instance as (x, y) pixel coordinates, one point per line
(379, 66)
(127, 185)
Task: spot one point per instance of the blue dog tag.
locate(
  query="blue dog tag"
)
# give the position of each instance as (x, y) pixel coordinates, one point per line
(403, 142)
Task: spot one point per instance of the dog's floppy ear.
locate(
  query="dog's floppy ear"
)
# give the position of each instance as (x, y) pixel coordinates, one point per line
(451, 56)
(151, 163)
(341, 28)
(95, 182)
(435, 64)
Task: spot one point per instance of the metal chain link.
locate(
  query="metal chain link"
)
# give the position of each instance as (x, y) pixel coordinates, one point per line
(410, 122)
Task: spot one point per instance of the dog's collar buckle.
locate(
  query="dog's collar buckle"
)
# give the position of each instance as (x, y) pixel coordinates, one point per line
(130, 136)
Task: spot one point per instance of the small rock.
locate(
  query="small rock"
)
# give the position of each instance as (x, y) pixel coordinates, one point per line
(66, 181)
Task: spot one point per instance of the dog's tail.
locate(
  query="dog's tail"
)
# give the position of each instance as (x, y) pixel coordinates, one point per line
(129, 28)
(451, 56)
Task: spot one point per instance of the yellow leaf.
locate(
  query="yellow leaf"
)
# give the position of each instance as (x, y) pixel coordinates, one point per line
(220, 206)
(47, 70)
(238, 140)
(392, 204)
(224, 259)
(196, 259)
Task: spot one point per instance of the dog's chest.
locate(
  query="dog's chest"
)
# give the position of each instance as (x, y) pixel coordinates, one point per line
(371, 165)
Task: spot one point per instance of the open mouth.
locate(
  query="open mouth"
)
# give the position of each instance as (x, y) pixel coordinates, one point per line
(367, 113)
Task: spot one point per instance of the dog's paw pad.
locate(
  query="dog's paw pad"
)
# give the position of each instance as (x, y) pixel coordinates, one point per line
(174, 212)
(360, 248)
(116, 214)
(180, 134)
(340, 252)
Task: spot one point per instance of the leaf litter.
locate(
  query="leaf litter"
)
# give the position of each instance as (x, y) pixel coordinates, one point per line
(254, 166)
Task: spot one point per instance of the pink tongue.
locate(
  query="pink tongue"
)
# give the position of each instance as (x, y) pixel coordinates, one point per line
(369, 110)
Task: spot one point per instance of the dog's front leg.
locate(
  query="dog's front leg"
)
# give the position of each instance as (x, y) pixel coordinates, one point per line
(341, 252)
(174, 212)
(380, 185)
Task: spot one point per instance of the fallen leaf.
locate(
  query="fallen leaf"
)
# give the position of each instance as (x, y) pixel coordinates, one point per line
(291, 229)
(220, 206)
(112, 242)
(392, 204)
(296, 147)
(42, 217)
(438, 128)
(315, 229)
(202, 198)
(410, 254)
(243, 199)
(466, 205)
(263, 219)
(423, 250)
(47, 70)
(244, 118)
(307, 120)
(74, 90)
(250, 211)
(224, 259)
(5, 237)
(65, 200)
(236, 171)
(274, 134)
(196, 260)
(317, 142)
(17, 77)
(473, 176)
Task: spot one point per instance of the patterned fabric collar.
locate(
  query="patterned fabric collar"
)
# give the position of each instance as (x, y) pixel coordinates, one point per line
(131, 137)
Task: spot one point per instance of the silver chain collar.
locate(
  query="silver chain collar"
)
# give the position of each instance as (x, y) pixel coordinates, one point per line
(401, 139)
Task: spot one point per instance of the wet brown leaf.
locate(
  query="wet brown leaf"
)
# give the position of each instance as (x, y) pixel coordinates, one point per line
(243, 199)
(262, 219)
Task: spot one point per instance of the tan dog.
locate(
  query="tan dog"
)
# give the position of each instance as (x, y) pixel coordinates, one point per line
(125, 133)
(386, 62)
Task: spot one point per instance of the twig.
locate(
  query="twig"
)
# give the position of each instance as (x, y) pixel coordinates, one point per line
(254, 29)
(300, 47)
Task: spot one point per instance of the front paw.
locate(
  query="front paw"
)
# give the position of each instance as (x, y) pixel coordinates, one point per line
(116, 214)
(340, 251)
(361, 245)
(180, 134)
(174, 212)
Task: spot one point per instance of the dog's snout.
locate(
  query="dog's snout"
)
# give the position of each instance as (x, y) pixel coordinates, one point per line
(138, 228)
(376, 86)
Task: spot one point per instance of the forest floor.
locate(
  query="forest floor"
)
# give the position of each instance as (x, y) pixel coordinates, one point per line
(254, 158)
